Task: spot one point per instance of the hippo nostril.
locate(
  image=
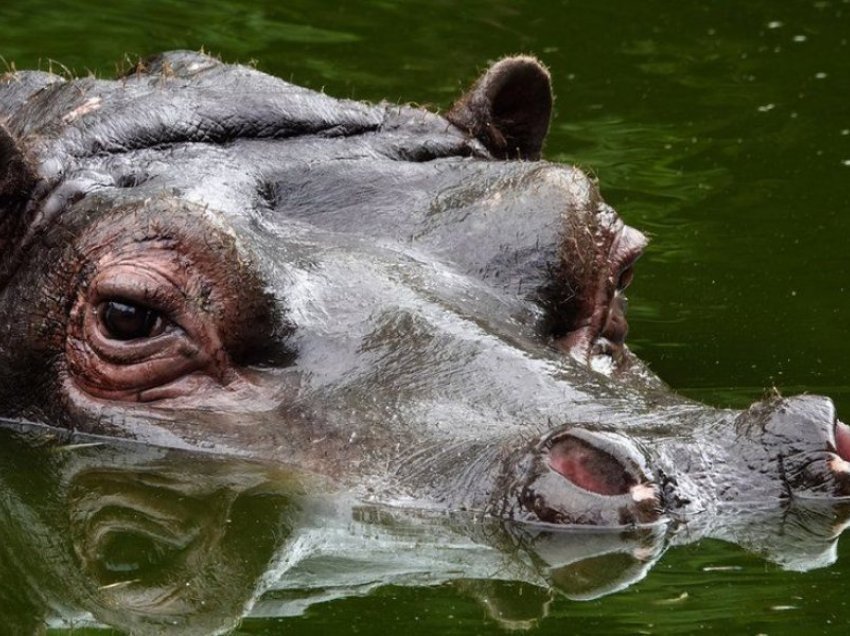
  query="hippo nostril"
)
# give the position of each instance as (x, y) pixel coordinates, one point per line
(589, 468)
(842, 440)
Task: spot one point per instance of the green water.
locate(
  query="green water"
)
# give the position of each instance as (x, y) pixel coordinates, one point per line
(720, 129)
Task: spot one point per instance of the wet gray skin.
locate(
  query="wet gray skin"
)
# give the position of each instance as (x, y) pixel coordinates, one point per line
(200, 255)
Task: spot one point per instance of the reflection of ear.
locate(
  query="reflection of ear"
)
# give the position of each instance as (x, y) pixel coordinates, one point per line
(508, 108)
(16, 182)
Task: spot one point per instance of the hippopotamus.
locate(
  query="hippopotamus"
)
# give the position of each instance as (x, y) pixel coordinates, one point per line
(415, 306)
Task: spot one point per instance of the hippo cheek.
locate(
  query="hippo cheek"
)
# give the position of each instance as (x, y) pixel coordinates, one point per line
(582, 478)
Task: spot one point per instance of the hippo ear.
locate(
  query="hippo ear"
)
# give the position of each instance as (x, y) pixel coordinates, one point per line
(16, 182)
(508, 108)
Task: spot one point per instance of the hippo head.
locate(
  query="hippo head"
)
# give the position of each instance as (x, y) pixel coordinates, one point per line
(201, 255)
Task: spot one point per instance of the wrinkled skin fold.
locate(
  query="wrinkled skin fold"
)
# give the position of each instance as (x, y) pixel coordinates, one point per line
(415, 306)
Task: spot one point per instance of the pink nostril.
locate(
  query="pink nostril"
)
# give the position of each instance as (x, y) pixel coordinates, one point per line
(589, 468)
(842, 440)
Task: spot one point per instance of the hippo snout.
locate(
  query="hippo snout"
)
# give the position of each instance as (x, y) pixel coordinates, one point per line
(803, 439)
(575, 476)
(778, 449)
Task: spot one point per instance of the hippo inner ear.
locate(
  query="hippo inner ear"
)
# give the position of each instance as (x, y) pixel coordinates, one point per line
(508, 108)
(16, 182)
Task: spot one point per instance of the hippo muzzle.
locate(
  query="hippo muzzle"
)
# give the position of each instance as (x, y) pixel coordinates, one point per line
(779, 449)
(799, 440)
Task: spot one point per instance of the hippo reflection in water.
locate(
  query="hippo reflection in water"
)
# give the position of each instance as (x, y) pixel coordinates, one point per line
(152, 540)
(415, 306)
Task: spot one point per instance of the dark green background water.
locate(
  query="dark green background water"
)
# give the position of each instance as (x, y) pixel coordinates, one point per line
(721, 129)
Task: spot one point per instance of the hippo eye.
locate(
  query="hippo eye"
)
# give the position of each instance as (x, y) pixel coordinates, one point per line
(123, 320)
(625, 278)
